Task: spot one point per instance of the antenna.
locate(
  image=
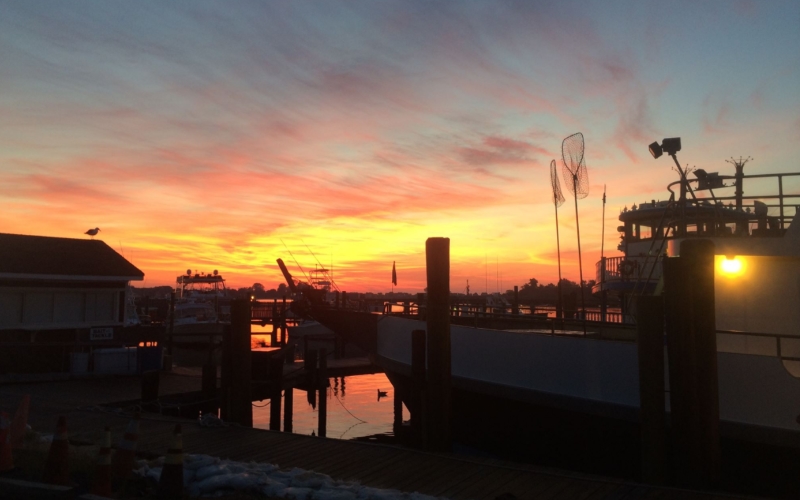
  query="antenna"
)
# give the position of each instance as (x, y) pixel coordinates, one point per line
(577, 179)
(558, 200)
(740, 163)
(603, 231)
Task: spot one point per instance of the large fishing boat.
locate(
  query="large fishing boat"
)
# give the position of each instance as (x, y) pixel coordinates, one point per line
(528, 383)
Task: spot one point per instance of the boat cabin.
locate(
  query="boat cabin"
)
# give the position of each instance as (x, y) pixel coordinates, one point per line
(765, 218)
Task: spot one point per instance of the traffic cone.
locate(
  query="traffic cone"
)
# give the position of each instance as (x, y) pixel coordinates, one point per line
(6, 461)
(56, 468)
(101, 483)
(20, 423)
(170, 485)
(125, 454)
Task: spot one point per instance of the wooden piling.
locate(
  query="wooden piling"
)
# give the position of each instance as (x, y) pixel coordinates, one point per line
(208, 382)
(515, 305)
(284, 329)
(276, 383)
(288, 408)
(170, 342)
(437, 251)
(322, 381)
(310, 362)
(397, 422)
(691, 339)
(650, 344)
(237, 404)
(418, 371)
(344, 300)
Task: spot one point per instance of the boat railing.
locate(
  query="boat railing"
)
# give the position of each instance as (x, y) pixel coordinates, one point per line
(785, 201)
(784, 347)
(626, 269)
(267, 312)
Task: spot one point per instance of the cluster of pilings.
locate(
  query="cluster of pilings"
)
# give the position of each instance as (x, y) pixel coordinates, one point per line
(687, 451)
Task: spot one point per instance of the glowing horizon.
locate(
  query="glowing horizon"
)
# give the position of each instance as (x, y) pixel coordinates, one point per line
(206, 137)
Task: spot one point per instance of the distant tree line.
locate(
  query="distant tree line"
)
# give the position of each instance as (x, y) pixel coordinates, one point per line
(530, 293)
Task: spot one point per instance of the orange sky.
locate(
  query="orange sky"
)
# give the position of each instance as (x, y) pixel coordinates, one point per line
(204, 138)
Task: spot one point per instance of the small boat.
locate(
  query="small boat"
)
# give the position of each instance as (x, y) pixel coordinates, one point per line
(202, 308)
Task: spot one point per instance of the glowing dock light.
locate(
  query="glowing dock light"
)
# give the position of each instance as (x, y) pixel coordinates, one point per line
(731, 265)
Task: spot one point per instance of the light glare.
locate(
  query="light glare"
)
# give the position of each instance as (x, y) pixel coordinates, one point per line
(731, 265)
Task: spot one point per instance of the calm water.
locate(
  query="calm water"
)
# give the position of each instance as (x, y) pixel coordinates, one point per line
(354, 409)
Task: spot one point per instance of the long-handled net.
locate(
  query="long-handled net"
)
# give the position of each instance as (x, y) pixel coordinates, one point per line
(576, 175)
(577, 179)
(558, 200)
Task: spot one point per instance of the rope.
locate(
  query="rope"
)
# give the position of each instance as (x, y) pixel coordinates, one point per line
(348, 411)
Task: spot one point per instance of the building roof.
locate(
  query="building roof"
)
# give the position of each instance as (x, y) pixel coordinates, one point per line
(44, 257)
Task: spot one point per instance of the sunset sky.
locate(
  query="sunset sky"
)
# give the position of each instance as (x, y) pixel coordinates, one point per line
(222, 135)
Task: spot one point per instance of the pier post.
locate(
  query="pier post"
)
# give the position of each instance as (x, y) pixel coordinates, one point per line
(284, 329)
(344, 300)
(437, 251)
(397, 422)
(170, 341)
(238, 401)
(650, 344)
(419, 399)
(322, 381)
(275, 386)
(515, 305)
(692, 347)
(288, 409)
(208, 381)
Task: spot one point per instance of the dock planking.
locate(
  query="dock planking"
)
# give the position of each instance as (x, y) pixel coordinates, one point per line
(86, 405)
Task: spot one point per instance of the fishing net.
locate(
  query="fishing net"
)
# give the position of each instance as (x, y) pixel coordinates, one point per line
(558, 198)
(576, 176)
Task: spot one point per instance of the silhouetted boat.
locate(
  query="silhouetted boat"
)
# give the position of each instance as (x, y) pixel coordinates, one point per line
(584, 379)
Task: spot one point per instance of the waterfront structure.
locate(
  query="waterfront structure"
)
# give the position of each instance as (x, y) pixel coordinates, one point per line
(58, 292)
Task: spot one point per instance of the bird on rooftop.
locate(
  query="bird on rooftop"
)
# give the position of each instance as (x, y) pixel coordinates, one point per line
(93, 232)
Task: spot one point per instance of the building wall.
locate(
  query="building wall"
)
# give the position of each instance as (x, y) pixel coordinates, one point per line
(33, 308)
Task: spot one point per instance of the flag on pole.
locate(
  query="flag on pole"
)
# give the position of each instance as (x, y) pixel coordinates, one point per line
(394, 275)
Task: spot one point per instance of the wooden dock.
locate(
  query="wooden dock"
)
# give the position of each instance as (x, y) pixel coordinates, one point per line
(86, 405)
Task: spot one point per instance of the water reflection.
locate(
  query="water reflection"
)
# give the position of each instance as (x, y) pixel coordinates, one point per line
(353, 409)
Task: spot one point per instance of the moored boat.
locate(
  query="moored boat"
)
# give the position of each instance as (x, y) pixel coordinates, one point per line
(502, 379)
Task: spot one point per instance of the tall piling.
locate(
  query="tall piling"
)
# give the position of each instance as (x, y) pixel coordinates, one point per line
(288, 408)
(322, 381)
(275, 386)
(171, 331)
(237, 402)
(692, 347)
(437, 251)
(515, 304)
(419, 397)
(650, 345)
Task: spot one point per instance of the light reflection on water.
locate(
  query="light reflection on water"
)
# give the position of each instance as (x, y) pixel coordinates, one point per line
(354, 409)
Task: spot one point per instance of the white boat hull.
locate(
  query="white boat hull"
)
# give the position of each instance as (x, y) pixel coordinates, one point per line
(757, 396)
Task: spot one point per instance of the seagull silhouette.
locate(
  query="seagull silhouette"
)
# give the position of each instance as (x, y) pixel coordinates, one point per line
(93, 232)
(381, 394)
